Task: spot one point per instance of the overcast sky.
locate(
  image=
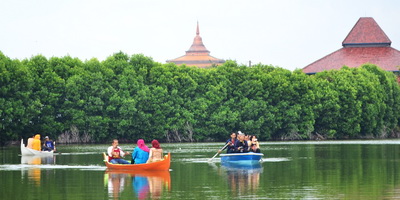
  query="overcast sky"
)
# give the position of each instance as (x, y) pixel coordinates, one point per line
(287, 33)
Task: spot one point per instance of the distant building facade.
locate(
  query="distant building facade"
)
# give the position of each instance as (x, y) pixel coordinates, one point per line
(366, 43)
(197, 55)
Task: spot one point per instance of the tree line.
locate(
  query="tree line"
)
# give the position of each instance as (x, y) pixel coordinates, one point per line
(132, 97)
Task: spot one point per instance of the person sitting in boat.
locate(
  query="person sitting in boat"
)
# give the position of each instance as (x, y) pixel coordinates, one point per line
(48, 144)
(230, 144)
(115, 154)
(140, 154)
(36, 144)
(254, 146)
(247, 139)
(241, 145)
(156, 153)
(30, 142)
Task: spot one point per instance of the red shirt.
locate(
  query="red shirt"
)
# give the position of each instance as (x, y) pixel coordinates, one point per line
(116, 153)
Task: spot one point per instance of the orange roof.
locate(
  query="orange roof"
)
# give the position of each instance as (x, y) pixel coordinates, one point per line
(197, 55)
(366, 43)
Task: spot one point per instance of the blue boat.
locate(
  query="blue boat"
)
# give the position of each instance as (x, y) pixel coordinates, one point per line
(243, 158)
(239, 166)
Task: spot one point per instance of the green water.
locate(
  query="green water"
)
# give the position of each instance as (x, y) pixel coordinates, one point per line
(290, 170)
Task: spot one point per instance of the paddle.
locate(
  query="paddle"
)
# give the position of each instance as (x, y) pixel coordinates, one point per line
(218, 152)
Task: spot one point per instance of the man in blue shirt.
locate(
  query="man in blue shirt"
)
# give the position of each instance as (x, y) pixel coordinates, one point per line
(48, 145)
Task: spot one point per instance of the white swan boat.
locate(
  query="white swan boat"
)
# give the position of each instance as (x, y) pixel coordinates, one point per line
(31, 152)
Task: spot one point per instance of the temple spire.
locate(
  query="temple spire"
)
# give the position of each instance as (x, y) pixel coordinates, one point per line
(197, 55)
(197, 46)
(197, 30)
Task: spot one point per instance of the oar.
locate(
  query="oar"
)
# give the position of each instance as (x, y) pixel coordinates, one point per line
(218, 152)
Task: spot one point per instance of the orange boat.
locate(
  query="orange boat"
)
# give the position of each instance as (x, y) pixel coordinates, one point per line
(159, 165)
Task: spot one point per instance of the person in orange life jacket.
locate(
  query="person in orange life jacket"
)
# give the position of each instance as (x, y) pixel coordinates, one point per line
(241, 145)
(36, 143)
(115, 154)
(48, 145)
(230, 148)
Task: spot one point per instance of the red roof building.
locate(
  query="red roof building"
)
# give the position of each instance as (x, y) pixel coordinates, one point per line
(197, 55)
(366, 43)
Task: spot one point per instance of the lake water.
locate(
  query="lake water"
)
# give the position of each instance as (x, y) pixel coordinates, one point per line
(290, 170)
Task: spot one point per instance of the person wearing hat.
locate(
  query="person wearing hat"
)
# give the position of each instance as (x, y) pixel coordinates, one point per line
(48, 145)
(241, 145)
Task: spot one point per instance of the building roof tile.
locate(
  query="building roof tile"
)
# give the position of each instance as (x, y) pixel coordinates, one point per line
(386, 58)
(366, 32)
(366, 43)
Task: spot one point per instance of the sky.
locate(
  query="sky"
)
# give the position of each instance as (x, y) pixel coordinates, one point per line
(286, 33)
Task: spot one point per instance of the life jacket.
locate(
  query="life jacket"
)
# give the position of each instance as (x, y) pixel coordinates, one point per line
(117, 150)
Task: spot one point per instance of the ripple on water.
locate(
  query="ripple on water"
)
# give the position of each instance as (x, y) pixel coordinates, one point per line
(199, 160)
(207, 160)
(275, 159)
(25, 166)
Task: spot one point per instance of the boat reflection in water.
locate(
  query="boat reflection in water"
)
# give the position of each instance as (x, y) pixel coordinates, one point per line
(34, 173)
(145, 184)
(243, 178)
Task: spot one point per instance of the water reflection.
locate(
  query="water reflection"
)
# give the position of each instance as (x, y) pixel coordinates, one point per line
(38, 160)
(34, 173)
(243, 178)
(116, 184)
(145, 184)
(140, 186)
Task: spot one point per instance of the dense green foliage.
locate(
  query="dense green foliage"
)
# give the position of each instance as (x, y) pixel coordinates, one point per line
(131, 97)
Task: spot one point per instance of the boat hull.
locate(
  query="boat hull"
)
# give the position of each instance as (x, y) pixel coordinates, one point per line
(244, 158)
(242, 166)
(160, 165)
(31, 152)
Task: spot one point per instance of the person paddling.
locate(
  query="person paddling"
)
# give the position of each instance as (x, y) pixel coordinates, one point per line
(115, 153)
(230, 148)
